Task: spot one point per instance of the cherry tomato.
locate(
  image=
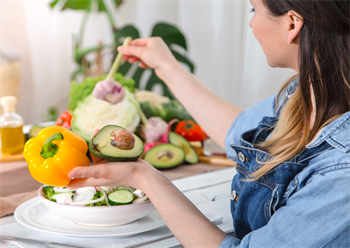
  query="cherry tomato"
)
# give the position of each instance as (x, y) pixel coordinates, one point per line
(190, 131)
(64, 120)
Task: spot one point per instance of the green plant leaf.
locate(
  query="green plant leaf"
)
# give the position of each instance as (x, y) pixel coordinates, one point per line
(74, 4)
(101, 5)
(118, 2)
(170, 34)
(53, 4)
(128, 30)
(179, 57)
(124, 68)
(77, 72)
(153, 80)
(137, 76)
(81, 52)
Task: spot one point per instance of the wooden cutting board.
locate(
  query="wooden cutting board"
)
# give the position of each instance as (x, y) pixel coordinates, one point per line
(216, 160)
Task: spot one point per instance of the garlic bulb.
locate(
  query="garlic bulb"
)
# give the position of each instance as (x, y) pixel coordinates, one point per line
(110, 91)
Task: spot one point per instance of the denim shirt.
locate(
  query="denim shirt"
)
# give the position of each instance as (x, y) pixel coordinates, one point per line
(316, 212)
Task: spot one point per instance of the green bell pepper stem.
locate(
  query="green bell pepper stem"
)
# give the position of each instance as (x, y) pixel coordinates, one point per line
(118, 61)
(49, 149)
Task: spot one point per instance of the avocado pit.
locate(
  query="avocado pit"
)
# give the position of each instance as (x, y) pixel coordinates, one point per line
(122, 139)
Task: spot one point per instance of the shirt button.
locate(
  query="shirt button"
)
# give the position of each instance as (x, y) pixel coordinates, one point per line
(241, 157)
(233, 195)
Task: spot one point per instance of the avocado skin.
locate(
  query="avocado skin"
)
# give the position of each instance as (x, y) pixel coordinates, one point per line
(111, 158)
(177, 139)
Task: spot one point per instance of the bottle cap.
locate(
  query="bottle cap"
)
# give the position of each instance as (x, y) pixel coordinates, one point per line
(8, 103)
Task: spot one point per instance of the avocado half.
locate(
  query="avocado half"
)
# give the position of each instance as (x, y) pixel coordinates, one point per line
(178, 140)
(105, 144)
(165, 156)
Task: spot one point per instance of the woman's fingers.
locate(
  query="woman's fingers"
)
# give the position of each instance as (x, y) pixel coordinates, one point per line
(126, 57)
(99, 170)
(141, 42)
(135, 51)
(86, 182)
(152, 52)
(133, 60)
(143, 65)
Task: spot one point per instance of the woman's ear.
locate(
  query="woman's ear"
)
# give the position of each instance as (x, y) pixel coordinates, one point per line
(294, 24)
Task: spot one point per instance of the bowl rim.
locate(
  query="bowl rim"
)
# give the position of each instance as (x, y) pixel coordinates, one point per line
(40, 190)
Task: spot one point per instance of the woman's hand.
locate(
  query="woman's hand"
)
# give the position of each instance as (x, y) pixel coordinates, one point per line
(152, 52)
(110, 174)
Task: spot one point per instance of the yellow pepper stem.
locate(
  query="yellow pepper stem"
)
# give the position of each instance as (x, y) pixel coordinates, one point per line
(49, 149)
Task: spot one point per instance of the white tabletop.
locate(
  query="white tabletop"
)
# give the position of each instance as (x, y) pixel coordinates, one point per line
(210, 192)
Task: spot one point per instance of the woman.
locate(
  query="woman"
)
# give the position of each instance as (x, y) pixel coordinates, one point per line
(293, 165)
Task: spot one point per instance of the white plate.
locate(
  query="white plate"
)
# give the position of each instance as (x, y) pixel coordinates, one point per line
(35, 215)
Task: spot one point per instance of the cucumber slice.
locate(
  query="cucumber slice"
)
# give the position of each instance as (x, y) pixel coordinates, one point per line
(120, 197)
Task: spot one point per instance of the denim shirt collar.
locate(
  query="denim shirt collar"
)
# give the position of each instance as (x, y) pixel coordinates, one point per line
(292, 86)
(337, 134)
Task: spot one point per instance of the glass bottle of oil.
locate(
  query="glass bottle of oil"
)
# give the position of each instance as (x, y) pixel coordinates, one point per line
(11, 127)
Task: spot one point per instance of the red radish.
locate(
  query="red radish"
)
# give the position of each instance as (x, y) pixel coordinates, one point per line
(171, 123)
(164, 138)
(152, 144)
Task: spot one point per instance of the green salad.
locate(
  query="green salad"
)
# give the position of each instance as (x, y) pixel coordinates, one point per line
(95, 196)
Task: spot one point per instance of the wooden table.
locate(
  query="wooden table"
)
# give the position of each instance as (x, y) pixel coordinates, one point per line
(209, 191)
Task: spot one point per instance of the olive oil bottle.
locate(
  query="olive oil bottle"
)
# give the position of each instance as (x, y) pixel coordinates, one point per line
(11, 127)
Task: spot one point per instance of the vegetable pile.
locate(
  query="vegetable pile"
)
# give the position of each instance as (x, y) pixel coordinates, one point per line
(110, 106)
(95, 196)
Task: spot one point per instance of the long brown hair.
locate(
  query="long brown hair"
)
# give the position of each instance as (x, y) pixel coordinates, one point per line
(324, 67)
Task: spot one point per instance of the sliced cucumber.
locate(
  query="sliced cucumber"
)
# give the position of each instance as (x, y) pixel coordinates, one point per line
(120, 197)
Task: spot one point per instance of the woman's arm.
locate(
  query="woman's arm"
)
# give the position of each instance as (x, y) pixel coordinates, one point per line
(184, 220)
(212, 113)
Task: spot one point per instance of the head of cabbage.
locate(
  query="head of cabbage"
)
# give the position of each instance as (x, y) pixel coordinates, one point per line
(92, 113)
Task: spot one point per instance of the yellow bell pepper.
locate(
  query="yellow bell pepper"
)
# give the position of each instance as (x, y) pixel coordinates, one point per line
(53, 153)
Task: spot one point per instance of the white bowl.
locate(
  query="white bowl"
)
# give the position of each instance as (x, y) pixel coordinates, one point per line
(98, 216)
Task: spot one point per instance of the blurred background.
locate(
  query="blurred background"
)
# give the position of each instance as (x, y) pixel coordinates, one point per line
(39, 45)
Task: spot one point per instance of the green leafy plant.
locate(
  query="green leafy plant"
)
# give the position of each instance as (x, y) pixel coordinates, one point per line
(169, 33)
